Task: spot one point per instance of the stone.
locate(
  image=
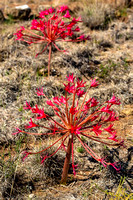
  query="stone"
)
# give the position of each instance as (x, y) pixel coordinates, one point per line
(2, 18)
(19, 12)
(31, 196)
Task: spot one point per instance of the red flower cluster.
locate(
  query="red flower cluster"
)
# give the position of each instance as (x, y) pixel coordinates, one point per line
(77, 117)
(54, 25)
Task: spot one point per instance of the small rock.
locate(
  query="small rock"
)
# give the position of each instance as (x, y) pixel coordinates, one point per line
(19, 12)
(105, 44)
(31, 196)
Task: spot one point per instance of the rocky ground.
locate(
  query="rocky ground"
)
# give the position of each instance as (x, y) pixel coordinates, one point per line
(108, 56)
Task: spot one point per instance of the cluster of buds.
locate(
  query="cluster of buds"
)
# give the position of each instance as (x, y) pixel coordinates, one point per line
(54, 25)
(78, 117)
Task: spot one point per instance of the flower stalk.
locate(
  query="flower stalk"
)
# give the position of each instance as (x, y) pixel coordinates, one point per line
(67, 161)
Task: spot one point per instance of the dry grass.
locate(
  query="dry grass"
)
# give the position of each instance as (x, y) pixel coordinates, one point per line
(20, 75)
(95, 14)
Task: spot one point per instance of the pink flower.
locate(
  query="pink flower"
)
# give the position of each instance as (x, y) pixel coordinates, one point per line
(63, 8)
(94, 83)
(77, 29)
(112, 117)
(87, 105)
(31, 124)
(56, 100)
(113, 136)
(72, 110)
(69, 88)
(70, 78)
(96, 129)
(43, 13)
(34, 24)
(51, 10)
(40, 92)
(106, 109)
(83, 38)
(75, 130)
(62, 100)
(94, 102)
(80, 83)
(54, 17)
(80, 93)
(49, 102)
(75, 118)
(51, 28)
(67, 15)
(114, 100)
(77, 20)
(40, 112)
(62, 23)
(27, 106)
(109, 129)
(19, 33)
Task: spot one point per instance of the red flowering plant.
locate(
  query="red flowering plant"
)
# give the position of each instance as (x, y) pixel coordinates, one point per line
(54, 25)
(77, 117)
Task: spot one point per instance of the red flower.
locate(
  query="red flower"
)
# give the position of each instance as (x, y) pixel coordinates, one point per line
(114, 100)
(67, 15)
(109, 129)
(72, 110)
(49, 102)
(56, 100)
(51, 28)
(70, 78)
(80, 83)
(40, 92)
(62, 100)
(97, 130)
(113, 136)
(94, 83)
(63, 9)
(31, 124)
(75, 119)
(80, 93)
(94, 102)
(27, 106)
